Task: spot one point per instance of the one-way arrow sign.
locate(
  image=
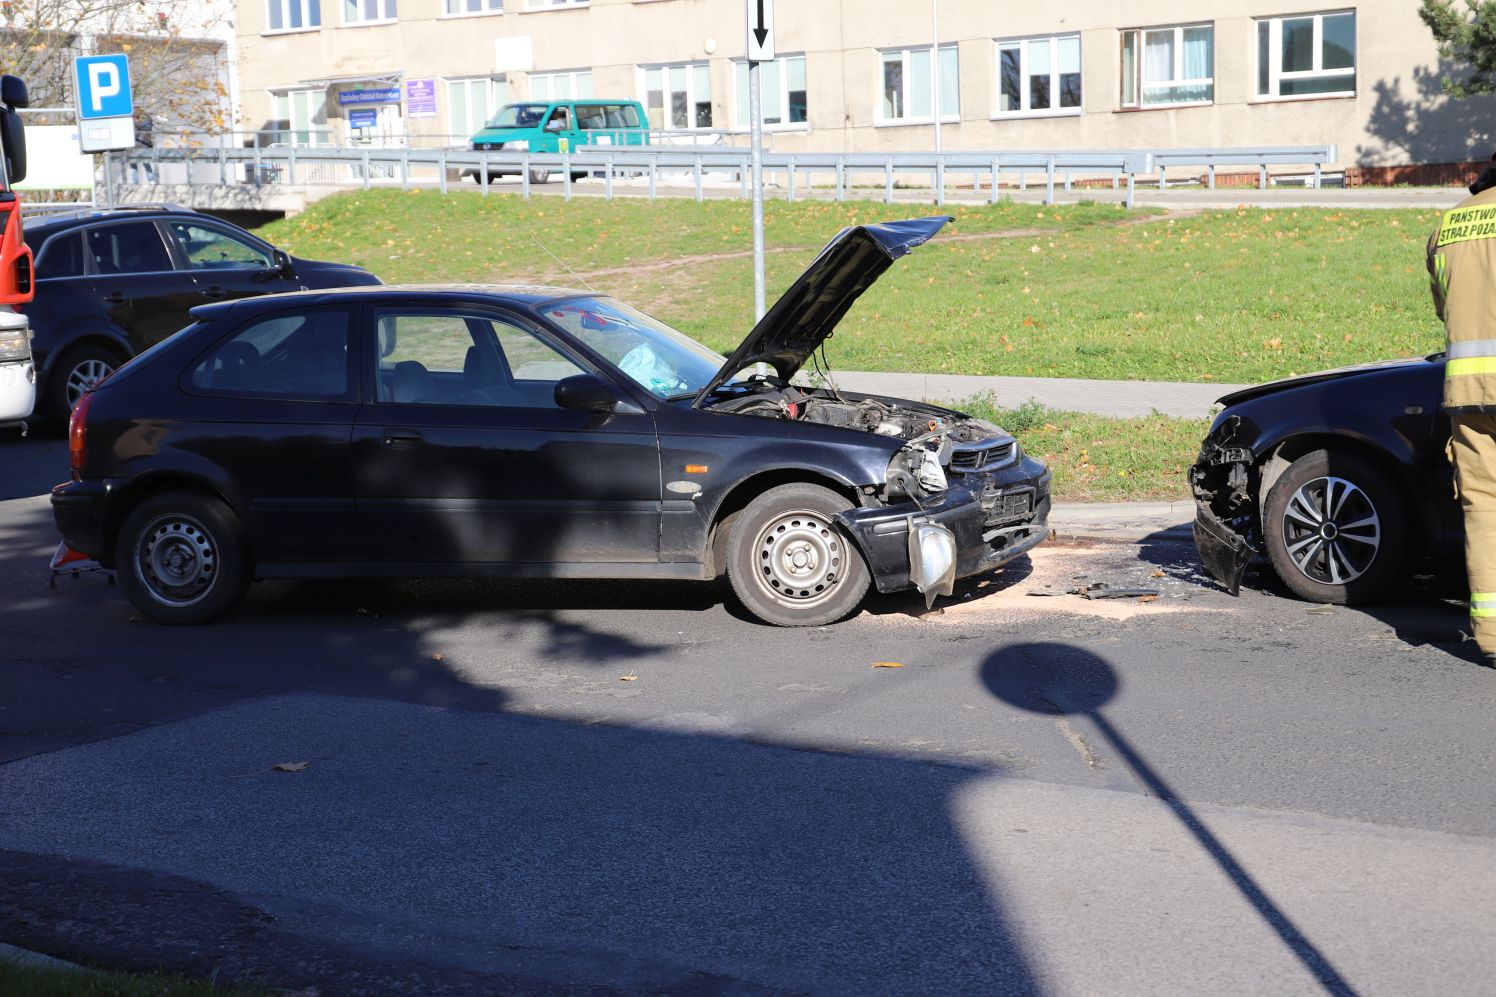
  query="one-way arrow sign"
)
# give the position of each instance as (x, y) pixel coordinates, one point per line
(760, 30)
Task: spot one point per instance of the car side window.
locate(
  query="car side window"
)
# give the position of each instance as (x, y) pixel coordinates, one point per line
(450, 358)
(128, 247)
(213, 249)
(62, 256)
(302, 356)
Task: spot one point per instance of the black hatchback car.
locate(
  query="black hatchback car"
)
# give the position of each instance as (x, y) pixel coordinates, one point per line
(110, 284)
(1341, 478)
(419, 431)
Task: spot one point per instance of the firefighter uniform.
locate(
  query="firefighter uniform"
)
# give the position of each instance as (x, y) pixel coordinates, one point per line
(1462, 270)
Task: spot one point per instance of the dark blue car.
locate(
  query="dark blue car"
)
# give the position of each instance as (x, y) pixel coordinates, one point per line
(535, 432)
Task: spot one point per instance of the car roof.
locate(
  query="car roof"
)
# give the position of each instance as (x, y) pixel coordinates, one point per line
(522, 295)
(44, 222)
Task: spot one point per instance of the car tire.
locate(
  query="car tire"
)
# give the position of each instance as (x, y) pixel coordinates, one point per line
(74, 373)
(181, 558)
(789, 563)
(540, 176)
(1336, 528)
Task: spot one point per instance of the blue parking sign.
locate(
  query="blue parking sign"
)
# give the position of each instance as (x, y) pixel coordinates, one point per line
(103, 83)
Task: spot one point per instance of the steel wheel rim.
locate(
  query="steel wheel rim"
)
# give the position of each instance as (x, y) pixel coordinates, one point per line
(799, 559)
(83, 378)
(1331, 530)
(176, 560)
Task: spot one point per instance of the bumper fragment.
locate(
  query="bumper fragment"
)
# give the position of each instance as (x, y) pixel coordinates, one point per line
(79, 510)
(1224, 552)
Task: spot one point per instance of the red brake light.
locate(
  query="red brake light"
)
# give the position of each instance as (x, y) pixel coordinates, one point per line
(78, 434)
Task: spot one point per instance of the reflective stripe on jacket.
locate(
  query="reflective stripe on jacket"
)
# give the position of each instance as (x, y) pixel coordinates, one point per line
(1462, 274)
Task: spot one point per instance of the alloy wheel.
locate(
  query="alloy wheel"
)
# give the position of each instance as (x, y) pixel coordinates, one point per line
(1331, 530)
(83, 378)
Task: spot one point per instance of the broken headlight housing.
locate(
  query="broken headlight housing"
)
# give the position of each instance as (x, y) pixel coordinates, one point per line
(915, 470)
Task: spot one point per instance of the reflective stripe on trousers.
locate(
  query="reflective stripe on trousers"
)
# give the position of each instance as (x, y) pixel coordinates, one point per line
(1483, 603)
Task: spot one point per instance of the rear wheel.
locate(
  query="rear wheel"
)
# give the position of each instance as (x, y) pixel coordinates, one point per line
(790, 564)
(539, 176)
(180, 558)
(73, 376)
(1336, 528)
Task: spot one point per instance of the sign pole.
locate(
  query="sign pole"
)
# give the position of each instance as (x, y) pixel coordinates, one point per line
(755, 114)
(108, 181)
(759, 48)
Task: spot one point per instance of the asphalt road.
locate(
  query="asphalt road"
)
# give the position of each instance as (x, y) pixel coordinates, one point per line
(516, 787)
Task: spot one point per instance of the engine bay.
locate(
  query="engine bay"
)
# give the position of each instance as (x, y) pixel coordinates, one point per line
(907, 421)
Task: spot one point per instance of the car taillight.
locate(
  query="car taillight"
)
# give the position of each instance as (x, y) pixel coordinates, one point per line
(78, 434)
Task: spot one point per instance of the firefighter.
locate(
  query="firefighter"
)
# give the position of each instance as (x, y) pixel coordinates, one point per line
(1462, 273)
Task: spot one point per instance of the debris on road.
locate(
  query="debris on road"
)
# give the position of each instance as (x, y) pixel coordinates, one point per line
(628, 678)
(291, 766)
(888, 664)
(1101, 590)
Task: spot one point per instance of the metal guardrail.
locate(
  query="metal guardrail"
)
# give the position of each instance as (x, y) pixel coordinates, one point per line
(367, 165)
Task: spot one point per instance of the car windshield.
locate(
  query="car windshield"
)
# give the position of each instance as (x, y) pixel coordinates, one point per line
(518, 115)
(664, 362)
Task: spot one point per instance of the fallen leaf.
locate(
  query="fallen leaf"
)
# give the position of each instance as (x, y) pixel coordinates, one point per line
(1147, 598)
(888, 664)
(628, 678)
(1155, 573)
(291, 766)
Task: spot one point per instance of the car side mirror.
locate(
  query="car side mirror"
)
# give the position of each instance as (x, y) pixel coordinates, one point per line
(283, 264)
(585, 393)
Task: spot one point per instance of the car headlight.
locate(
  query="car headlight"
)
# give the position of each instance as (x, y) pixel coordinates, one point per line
(15, 344)
(914, 470)
(932, 559)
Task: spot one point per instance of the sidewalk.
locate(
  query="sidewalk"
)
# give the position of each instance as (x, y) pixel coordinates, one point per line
(1114, 398)
(1126, 521)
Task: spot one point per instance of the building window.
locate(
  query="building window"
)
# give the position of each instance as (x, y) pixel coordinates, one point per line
(368, 11)
(678, 96)
(908, 85)
(471, 103)
(1038, 76)
(1312, 55)
(559, 86)
(1168, 65)
(293, 15)
(783, 85)
(548, 4)
(300, 118)
(456, 8)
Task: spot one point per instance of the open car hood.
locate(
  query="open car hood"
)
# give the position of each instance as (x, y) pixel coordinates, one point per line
(805, 315)
(1355, 370)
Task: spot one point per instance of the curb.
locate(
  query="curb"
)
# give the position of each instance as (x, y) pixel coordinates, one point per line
(26, 957)
(1131, 521)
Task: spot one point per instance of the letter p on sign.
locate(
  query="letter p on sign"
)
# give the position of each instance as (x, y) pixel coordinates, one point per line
(103, 83)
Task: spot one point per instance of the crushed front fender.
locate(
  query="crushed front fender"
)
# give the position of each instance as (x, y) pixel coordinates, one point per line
(1227, 520)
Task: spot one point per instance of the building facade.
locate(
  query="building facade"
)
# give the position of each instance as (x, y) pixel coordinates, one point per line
(859, 75)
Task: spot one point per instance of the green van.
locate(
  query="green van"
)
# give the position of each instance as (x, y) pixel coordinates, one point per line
(560, 126)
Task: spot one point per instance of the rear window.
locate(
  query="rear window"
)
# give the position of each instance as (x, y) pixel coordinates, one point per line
(302, 356)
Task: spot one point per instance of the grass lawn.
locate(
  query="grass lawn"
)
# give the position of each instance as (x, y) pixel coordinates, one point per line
(1085, 290)
(17, 980)
(1097, 458)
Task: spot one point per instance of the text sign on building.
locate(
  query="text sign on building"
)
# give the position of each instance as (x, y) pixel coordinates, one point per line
(363, 119)
(103, 83)
(373, 95)
(420, 98)
(760, 30)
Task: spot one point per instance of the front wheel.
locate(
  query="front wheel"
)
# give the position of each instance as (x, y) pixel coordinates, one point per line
(539, 176)
(180, 558)
(1336, 528)
(788, 562)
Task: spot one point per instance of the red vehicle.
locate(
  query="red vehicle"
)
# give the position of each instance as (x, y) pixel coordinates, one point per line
(17, 373)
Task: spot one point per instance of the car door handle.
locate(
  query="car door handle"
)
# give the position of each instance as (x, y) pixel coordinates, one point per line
(401, 437)
(115, 298)
(215, 292)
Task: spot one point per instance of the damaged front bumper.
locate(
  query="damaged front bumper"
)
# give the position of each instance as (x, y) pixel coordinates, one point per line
(991, 519)
(1227, 524)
